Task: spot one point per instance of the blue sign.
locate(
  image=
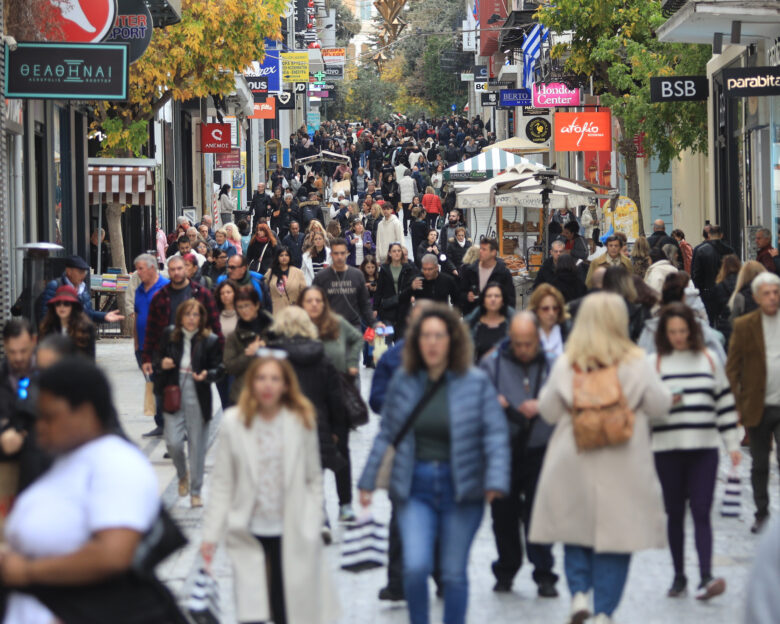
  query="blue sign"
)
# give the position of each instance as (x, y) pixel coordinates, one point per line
(454, 108)
(265, 77)
(515, 97)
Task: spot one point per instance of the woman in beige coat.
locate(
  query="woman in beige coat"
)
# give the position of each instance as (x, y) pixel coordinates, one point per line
(266, 500)
(285, 281)
(605, 503)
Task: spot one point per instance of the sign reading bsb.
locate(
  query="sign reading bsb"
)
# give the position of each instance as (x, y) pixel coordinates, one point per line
(579, 132)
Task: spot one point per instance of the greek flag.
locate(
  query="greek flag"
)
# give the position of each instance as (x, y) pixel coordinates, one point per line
(475, 12)
(532, 49)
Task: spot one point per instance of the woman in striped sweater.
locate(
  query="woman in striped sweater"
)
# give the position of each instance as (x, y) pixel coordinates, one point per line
(686, 443)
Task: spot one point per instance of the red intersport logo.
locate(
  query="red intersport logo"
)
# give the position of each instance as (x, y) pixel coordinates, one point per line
(84, 21)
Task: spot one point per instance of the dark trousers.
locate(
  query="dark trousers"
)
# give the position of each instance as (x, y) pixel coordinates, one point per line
(273, 563)
(688, 476)
(760, 447)
(407, 217)
(510, 511)
(223, 388)
(158, 417)
(432, 220)
(344, 476)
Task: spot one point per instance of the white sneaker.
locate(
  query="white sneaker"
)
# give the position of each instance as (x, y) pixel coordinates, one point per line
(580, 608)
(602, 618)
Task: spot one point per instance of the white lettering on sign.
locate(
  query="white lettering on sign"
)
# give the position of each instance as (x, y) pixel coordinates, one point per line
(588, 128)
(756, 82)
(678, 88)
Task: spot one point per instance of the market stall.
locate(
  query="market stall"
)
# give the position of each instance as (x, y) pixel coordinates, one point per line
(483, 166)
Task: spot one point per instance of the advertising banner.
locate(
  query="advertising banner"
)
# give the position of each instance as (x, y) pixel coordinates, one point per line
(265, 77)
(295, 66)
(679, 88)
(265, 110)
(751, 81)
(230, 160)
(579, 132)
(555, 94)
(334, 56)
(514, 97)
(67, 71)
(215, 138)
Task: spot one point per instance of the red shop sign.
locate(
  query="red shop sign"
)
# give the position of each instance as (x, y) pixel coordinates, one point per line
(215, 138)
(83, 21)
(579, 132)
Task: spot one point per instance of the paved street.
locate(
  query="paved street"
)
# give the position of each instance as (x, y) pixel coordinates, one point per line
(644, 601)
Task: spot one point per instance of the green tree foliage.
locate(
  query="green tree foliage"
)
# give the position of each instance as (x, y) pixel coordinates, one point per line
(368, 95)
(614, 43)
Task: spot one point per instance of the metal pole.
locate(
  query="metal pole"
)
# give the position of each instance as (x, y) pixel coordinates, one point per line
(100, 240)
(5, 235)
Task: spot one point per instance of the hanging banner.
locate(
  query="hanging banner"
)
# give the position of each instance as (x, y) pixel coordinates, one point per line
(751, 81)
(285, 100)
(334, 72)
(555, 94)
(334, 56)
(230, 160)
(264, 77)
(133, 25)
(215, 138)
(295, 66)
(265, 110)
(83, 21)
(579, 132)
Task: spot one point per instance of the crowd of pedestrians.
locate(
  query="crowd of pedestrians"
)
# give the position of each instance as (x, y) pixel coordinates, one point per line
(593, 418)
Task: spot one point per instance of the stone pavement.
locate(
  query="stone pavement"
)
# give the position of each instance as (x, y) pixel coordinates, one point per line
(644, 600)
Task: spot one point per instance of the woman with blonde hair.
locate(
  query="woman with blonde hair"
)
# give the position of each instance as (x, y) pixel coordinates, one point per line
(234, 237)
(266, 500)
(549, 306)
(741, 301)
(640, 256)
(603, 502)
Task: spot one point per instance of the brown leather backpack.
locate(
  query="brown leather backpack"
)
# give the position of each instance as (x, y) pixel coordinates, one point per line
(600, 413)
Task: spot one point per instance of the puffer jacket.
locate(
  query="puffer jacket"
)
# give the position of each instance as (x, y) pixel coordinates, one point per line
(479, 436)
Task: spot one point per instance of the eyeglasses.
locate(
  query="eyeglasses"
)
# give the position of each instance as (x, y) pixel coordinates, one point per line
(276, 354)
(23, 387)
(549, 308)
(230, 267)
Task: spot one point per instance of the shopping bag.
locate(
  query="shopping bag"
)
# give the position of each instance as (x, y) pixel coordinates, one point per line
(731, 504)
(9, 487)
(203, 602)
(150, 405)
(364, 546)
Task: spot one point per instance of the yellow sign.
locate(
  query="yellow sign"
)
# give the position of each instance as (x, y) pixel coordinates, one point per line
(273, 154)
(625, 217)
(295, 66)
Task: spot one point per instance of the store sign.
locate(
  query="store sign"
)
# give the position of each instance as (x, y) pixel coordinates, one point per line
(555, 94)
(751, 81)
(300, 87)
(229, 160)
(83, 21)
(469, 42)
(538, 130)
(579, 132)
(679, 88)
(334, 56)
(489, 99)
(532, 111)
(334, 72)
(515, 97)
(295, 66)
(215, 138)
(133, 25)
(264, 77)
(285, 100)
(480, 72)
(66, 71)
(480, 87)
(265, 110)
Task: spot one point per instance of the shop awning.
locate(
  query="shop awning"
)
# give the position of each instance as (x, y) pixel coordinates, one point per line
(698, 20)
(516, 145)
(483, 166)
(120, 182)
(480, 195)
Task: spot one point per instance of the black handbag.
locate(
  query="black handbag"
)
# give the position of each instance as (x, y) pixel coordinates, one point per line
(389, 304)
(355, 409)
(162, 540)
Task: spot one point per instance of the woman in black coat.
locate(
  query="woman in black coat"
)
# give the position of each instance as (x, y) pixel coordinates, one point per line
(389, 306)
(458, 248)
(188, 361)
(567, 280)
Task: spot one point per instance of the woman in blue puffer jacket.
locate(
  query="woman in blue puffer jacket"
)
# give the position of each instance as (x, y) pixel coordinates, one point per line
(453, 458)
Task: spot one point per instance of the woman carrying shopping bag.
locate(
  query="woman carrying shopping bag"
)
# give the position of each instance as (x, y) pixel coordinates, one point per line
(266, 500)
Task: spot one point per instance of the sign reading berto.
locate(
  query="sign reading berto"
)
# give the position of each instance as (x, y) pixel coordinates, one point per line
(751, 81)
(67, 71)
(580, 132)
(679, 88)
(514, 97)
(555, 94)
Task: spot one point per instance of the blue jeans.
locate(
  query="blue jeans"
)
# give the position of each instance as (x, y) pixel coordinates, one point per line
(605, 573)
(158, 416)
(431, 514)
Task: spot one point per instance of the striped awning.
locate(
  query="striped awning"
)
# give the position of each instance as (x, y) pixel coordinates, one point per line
(122, 185)
(483, 166)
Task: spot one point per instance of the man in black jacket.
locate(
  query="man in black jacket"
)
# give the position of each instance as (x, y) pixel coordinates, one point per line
(575, 243)
(705, 267)
(433, 284)
(659, 238)
(294, 242)
(260, 205)
(489, 268)
(547, 270)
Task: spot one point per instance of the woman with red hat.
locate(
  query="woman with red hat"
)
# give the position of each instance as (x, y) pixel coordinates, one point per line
(65, 315)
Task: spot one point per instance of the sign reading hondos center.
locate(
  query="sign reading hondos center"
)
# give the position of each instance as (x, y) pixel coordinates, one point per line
(67, 71)
(751, 81)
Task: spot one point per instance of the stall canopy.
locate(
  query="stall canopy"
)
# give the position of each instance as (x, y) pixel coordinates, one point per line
(516, 145)
(483, 166)
(480, 195)
(121, 181)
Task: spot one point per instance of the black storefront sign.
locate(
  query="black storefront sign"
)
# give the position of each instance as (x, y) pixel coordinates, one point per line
(679, 88)
(285, 100)
(532, 111)
(751, 81)
(489, 99)
(133, 25)
(538, 130)
(67, 71)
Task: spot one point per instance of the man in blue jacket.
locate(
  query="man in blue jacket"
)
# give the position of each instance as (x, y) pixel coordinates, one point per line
(238, 271)
(76, 271)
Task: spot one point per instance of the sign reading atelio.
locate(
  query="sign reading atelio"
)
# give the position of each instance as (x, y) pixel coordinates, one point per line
(579, 132)
(215, 138)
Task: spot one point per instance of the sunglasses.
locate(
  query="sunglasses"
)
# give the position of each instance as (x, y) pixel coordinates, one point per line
(276, 354)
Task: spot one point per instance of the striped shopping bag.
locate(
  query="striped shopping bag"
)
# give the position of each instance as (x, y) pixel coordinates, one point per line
(731, 504)
(364, 546)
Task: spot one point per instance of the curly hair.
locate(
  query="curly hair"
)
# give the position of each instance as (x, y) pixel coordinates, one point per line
(678, 310)
(460, 355)
(547, 290)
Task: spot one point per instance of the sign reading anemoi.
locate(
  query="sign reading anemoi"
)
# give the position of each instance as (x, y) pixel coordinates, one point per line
(750, 81)
(67, 71)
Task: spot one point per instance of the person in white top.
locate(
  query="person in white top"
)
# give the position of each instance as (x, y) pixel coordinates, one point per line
(548, 305)
(80, 523)
(388, 230)
(266, 500)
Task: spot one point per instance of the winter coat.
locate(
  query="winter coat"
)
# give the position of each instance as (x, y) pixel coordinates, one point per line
(656, 274)
(319, 383)
(344, 351)
(706, 263)
(570, 285)
(235, 360)
(368, 247)
(84, 297)
(469, 281)
(296, 282)
(206, 354)
(308, 267)
(744, 303)
(608, 499)
(391, 306)
(229, 510)
(479, 436)
(432, 204)
(260, 255)
(387, 232)
(721, 295)
(455, 252)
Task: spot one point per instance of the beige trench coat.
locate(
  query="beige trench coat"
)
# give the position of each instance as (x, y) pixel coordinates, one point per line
(608, 499)
(309, 595)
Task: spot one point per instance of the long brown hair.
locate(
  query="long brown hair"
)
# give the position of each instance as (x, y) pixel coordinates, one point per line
(293, 399)
(460, 356)
(678, 310)
(183, 309)
(80, 327)
(730, 264)
(328, 325)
